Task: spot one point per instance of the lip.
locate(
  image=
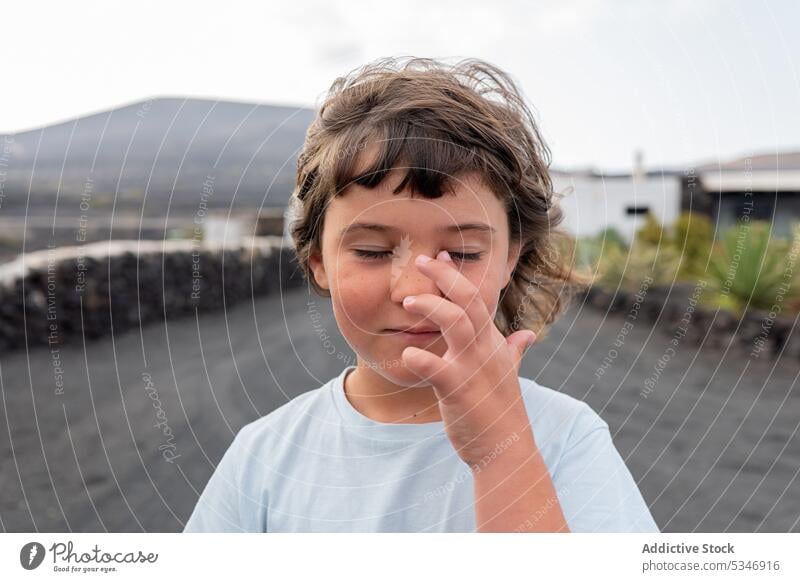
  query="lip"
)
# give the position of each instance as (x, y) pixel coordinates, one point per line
(421, 330)
(409, 337)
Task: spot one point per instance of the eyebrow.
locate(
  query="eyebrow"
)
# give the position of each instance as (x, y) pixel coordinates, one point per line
(376, 227)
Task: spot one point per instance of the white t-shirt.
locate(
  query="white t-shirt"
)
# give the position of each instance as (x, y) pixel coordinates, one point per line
(316, 464)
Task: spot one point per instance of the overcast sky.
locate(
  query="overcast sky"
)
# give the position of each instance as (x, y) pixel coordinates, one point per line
(684, 80)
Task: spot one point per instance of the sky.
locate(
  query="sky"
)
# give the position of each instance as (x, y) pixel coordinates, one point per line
(684, 81)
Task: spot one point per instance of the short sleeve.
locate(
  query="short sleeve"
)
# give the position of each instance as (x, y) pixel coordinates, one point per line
(596, 490)
(217, 508)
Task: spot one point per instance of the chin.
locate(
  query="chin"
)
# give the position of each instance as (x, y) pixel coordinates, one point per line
(396, 372)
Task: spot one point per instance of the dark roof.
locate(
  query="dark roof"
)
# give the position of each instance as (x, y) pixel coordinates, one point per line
(771, 161)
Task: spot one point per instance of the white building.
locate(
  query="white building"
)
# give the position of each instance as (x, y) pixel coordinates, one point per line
(593, 202)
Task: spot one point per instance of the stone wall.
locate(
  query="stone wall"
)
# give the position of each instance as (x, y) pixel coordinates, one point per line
(59, 295)
(677, 311)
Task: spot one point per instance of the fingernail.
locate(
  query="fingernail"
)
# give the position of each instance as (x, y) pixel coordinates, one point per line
(444, 256)
(423, 259)
(409, 300)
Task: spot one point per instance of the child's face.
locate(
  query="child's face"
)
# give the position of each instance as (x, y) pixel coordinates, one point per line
(367, 293)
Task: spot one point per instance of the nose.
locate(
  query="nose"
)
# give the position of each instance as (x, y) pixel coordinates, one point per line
(408, 279)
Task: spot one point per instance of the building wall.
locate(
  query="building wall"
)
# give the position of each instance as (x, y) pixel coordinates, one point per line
(782, 208)
(597, 202)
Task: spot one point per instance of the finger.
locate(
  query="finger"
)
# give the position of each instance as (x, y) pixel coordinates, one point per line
(456, 328)
(457, 288)
(519, 342)
(431, 369)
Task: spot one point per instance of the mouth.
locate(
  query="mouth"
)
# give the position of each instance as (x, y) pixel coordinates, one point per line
(430, 331)
(423, 338)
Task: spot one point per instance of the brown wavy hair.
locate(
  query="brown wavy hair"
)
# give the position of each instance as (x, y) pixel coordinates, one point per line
(437, 121)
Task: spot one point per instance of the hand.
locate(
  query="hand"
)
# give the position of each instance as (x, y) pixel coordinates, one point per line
(476, 379)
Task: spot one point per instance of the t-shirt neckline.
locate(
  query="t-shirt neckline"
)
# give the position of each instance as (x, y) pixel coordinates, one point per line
(353, 419)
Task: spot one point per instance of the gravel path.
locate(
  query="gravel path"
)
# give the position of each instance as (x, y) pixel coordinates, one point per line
(142, 419)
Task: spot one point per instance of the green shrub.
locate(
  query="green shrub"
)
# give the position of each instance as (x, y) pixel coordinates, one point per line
(629, 268)
(589, 249)
(651, 255)
(693, 237)
(612, 235)
(651, 232)
(750, 268)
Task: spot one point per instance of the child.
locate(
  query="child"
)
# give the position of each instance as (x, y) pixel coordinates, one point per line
(424, 210)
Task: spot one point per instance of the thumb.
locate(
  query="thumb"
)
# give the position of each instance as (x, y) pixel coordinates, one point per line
(520, 341)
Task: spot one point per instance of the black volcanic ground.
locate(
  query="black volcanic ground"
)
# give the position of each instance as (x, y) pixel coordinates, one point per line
(715, 446)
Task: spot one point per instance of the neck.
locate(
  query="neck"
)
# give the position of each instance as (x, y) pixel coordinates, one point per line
(382, 400)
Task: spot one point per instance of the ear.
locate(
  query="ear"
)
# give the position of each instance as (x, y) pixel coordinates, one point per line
(514, 249)
(317, 267)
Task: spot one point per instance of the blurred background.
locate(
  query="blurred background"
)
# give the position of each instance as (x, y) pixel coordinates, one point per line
(150, 305)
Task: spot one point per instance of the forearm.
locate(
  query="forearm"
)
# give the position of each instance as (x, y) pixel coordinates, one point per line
(514, 492)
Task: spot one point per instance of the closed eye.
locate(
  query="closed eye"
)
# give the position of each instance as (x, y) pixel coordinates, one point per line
(378, 255)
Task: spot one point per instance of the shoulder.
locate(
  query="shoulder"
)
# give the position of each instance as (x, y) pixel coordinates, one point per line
(559, 420)
(555, 405)
(596, 490)
(290, 417)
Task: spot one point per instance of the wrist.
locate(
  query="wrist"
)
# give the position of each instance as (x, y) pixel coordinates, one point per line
(511, 450)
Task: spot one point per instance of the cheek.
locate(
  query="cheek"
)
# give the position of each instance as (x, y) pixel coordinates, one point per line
(359, 293)
(488, 280)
